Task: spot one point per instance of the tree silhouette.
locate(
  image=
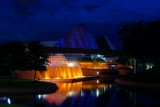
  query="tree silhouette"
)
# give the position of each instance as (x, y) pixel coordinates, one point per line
(141, 40)
(38, 57)
(11, 57)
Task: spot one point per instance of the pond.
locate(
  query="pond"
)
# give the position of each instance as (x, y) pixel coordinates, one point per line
(93, 93)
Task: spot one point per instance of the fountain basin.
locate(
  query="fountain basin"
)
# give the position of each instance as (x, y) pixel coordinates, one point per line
(69, 80)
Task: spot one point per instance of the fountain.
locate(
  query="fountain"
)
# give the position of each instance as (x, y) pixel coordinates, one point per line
(60, 68)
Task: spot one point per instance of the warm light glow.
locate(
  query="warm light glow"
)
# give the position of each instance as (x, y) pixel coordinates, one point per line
(64, 91)
(71, 93)
(94, 65)
(91, 86)
(70, 64)
(61, 68)
(62, 72)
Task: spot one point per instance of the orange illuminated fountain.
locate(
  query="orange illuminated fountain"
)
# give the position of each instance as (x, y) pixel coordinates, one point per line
(60, 68)
(93, 65)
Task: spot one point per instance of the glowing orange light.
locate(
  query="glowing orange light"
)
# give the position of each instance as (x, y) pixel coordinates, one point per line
(93, 65)
(61, 68)
(64, 91)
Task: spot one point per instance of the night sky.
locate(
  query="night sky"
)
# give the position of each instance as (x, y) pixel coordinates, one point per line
(48, 20)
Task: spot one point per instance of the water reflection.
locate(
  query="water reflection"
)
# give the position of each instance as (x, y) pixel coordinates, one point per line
(86, 94)
(81, 91)
(8, 101)
(64, 91)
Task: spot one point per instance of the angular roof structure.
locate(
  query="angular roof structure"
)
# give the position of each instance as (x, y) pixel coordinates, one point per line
(104, 43)
(78, 38)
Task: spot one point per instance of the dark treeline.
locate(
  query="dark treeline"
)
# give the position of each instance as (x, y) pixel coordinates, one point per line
(141, 40)
(17, 55)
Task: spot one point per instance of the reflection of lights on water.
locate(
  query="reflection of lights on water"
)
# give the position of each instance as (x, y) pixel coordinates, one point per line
(8, 101)
(3, 98)
(110, 86)
(65, 90)
(68, 90)
(97, 81)
(104, 89)
(82, 93)
(92, 93)
(107, 87)
(97, 92)
(44, 96)
(71, 93)
(98, 89)
(39, 96)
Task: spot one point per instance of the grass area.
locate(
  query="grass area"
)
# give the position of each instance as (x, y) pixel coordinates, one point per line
(4, 83)
(148, 76)
(21, 87)
(11, 105)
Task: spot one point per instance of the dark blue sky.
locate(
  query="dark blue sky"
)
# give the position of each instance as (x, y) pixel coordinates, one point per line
(51, 19)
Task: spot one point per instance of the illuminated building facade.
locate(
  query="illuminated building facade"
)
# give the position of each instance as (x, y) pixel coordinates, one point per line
(72, 66)
(78, 38)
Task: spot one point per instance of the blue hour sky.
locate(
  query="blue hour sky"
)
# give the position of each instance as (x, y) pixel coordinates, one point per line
(48, 20)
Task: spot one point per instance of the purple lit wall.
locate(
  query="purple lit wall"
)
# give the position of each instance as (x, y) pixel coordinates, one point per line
(78, 38)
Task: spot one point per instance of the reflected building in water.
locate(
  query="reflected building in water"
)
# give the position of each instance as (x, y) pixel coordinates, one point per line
(75, 90)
